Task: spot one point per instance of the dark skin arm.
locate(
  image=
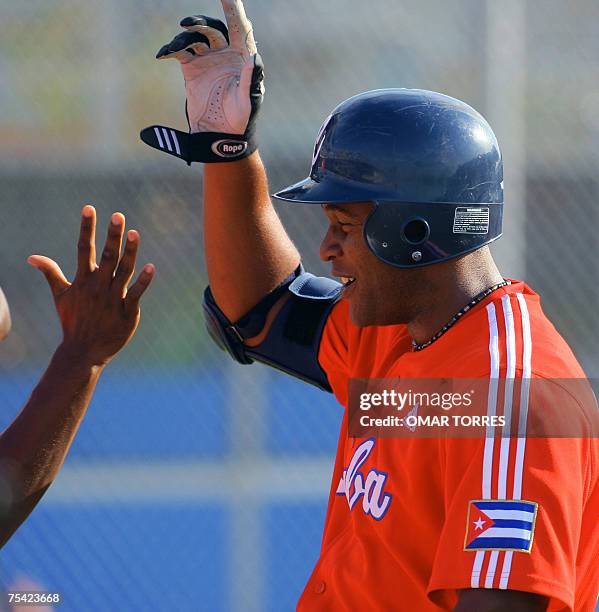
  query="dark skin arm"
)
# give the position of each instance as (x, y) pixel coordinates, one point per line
(495, 600)
(99, 316)
(238, 213)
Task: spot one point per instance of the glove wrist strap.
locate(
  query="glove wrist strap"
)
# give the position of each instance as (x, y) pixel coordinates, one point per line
(205, 147)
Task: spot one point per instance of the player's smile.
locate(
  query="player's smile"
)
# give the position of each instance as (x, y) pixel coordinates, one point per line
(348, 280)
(344, 244)
(348, 285)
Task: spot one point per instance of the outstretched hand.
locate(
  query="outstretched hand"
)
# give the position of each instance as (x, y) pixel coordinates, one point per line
(5, 322)
(98, 311)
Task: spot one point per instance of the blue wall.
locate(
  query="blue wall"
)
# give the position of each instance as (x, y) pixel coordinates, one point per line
(171, 555)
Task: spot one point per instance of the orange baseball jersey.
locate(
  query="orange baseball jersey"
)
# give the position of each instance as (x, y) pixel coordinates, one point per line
(411, 521)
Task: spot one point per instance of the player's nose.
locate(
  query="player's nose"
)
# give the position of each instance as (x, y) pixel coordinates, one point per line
(329, 247)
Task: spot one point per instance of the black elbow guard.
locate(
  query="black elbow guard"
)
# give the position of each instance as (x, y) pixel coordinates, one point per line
(293, 340)
(222, 331)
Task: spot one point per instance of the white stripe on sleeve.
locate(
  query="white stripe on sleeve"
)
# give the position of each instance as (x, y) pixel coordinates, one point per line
(521, 442)
(491, 569)
(524, 396)
(504, 454)
(476, 569)
(491, 400)
(489, 439)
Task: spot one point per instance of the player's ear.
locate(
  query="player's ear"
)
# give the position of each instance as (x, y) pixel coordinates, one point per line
(5, 322)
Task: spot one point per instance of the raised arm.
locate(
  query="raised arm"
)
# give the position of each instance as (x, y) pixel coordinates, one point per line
(248, 252)
(256, 307)
(99, 316)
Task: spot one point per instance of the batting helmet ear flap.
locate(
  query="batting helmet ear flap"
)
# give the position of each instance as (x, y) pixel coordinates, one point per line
(430, 162)
(409, 235)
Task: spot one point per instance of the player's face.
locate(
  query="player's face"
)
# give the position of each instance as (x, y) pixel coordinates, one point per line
(5, 322)
(378, 294)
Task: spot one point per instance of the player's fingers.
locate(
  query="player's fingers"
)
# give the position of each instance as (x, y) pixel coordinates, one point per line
(5, 321)
(137, 290)
(112, 247)
(198, 48)
(213, 44)
(177, 48)
(51, 270)
(213, 29)
(86, 246)
(126, 266)
(251, 74)
(241, 35)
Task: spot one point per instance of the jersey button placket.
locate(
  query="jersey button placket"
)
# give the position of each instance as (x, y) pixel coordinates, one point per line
(320, 587)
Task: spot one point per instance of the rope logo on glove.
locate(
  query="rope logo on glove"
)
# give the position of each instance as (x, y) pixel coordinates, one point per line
(224, 89)
(229, 148)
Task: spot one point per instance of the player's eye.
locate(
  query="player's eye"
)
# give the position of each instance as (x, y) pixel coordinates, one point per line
(344, 228)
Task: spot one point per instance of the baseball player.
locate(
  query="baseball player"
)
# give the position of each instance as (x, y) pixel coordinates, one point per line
(411, 184)
(99, 315)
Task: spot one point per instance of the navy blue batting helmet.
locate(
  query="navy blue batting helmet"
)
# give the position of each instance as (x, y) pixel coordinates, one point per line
(430, 164)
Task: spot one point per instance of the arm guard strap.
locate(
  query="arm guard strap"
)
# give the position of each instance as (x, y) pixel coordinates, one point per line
(293, 340)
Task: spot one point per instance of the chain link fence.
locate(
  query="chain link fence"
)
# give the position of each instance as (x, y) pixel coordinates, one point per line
(194, 483)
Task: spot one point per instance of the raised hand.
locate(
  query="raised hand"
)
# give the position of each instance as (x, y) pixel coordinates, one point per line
(224, 88)
(5, 321)
(98, 311)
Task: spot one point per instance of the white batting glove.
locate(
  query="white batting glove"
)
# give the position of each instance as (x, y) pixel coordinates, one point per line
(224, 86)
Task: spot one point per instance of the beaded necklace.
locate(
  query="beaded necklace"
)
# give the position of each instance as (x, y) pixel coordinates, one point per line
(456, 317)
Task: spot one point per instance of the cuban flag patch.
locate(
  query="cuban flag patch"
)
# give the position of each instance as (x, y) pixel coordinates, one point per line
(500, 525)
